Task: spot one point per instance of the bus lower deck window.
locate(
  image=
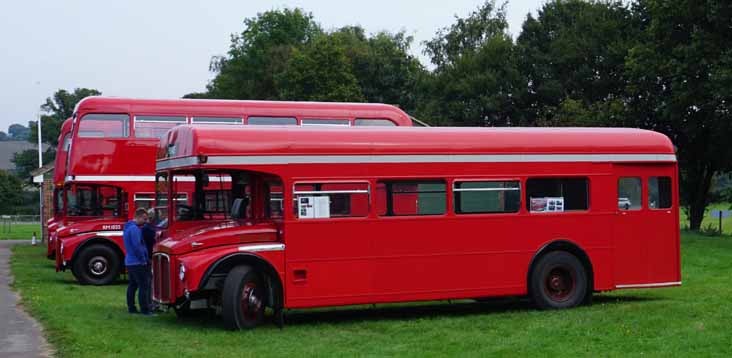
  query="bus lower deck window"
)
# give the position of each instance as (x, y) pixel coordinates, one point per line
(480, 197)
(331, 200)
(557, 194)
(397, 198)
(659, 192)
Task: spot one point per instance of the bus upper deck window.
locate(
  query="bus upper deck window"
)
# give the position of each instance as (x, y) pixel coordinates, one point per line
(95, 125)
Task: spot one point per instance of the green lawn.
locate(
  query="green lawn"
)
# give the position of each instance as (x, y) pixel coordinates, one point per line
(708, 220)
(693, 319)
(19, 231)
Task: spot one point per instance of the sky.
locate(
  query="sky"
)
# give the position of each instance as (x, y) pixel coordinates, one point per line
(162, 48)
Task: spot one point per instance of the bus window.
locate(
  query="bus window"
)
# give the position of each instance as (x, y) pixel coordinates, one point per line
(104, 126)
(326, 122)
(479, 197)
(156, 126)
(659, 192)
(374, 123)
(629, 193)
(144, 200)
(272, 121)
(331, 200)
(216, 120)
(275, 208)
(557, 194)
(398, 198)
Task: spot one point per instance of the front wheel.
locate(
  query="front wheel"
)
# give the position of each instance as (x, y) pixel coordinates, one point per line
(243, 298)
(97, 265)
(558, 280)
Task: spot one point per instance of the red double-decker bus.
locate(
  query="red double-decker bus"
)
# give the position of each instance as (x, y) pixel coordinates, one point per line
(110, 165)
(326, 217)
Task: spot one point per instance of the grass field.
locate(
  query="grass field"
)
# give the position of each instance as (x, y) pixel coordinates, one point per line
(19, 231)
(693, 319)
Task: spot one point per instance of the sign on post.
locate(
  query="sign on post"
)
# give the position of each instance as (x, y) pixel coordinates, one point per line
(720, 214)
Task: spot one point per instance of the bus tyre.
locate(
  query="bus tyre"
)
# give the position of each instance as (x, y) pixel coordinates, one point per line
(558, 280)
(243, 299)
(97, 265)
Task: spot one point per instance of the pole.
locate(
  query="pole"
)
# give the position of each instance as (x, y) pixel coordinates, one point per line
(40, 164)
(720, 223)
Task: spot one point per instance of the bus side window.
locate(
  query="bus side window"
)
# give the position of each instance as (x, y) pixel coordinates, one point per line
(331, 200)
(629, 193)
(399, 198)
(483, 197)
(659, 192)
(557, 194)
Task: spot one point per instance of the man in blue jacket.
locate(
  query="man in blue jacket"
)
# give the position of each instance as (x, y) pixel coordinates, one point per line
(137, 260)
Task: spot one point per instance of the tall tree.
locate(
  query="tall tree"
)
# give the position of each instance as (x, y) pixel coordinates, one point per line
(319, 72)
(573, 57)
(258, 54)
(681, 85)
(3, 136)
(18, 132)
(27, 161)
(56, 110)
(475, 81)
(11, 189)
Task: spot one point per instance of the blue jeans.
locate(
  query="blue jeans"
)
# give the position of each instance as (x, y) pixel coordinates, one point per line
(139, 280)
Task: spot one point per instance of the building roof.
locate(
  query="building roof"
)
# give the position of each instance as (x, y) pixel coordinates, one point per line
(8, 148)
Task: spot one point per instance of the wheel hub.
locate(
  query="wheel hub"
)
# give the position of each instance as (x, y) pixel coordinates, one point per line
(98, 265)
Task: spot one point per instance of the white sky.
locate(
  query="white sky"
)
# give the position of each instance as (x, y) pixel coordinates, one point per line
(162, 49)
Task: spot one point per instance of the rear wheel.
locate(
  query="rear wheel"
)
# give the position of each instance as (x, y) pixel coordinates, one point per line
(243, 298)
(559, 280)
(97, 265)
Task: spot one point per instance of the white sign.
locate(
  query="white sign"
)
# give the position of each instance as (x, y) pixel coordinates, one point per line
(313, 207)
(547, 204)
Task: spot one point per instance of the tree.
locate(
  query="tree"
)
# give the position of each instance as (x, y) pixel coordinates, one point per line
(573, 57)
(681, 85)
(319, 72)
(259, 54)
(382, 65)
(476, 81)
(27, 161)
(57, 109)
(3, 136)
(11, 189)
(18, 132)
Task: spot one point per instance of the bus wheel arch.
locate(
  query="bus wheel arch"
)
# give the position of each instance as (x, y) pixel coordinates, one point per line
(110, 262)
(572, 249)
(214, 277)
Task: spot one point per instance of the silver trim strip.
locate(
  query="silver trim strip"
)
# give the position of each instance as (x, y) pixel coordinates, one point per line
(486, 189)
(658, 284)
(330, 191)
(102, 178)
(176, 162)
(428, 158)
(262, 247)
(110, 233)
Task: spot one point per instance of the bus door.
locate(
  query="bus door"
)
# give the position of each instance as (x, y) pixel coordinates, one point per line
(646, 230)
(663, 220)
(631, 227)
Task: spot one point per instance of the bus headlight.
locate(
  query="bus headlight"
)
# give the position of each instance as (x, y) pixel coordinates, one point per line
(181, 272)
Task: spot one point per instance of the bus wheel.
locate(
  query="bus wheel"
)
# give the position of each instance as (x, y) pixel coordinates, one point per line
(97, 265)
(558, 281)
(243, 299)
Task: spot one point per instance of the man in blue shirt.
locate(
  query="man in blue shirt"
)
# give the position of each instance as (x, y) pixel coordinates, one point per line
(137, 260)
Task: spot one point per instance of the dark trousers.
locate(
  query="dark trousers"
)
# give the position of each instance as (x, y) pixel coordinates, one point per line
(139, 280)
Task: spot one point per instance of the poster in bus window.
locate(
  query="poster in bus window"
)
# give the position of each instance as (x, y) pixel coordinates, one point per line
(313, 207)
(547, 204)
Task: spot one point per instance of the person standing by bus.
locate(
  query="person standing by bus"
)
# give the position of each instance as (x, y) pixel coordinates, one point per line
(148, 236)
(137, 262)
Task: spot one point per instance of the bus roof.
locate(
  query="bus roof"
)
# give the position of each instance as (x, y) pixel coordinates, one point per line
(203, 107)
(269, 141)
